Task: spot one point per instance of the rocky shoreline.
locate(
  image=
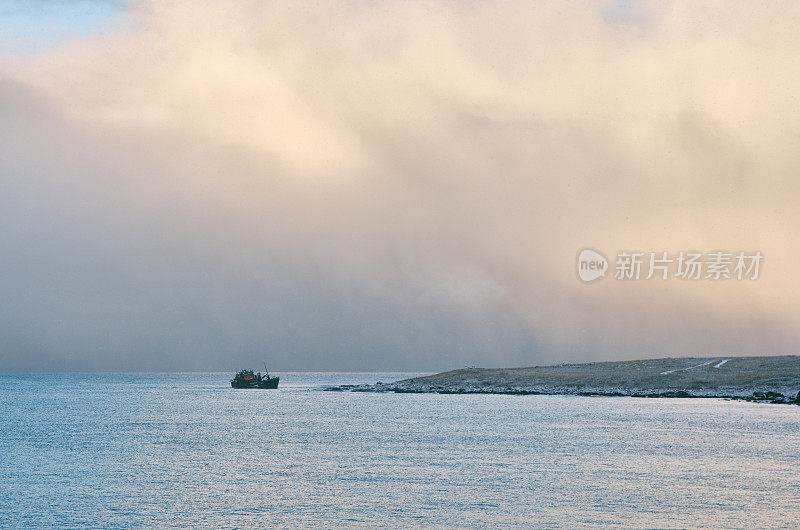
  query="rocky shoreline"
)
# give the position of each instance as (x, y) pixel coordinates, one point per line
(755, 379)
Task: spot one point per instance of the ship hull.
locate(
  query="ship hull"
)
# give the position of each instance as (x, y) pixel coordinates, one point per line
(270, 383)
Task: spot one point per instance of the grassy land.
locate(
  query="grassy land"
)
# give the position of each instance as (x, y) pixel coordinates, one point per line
(769, 379)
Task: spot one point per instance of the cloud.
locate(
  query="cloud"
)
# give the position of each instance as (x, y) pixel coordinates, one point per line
(395, 185)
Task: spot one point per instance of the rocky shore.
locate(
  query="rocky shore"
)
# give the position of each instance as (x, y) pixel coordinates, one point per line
(758, 379)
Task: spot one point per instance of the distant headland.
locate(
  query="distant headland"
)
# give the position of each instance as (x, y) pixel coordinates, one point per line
(760, 379)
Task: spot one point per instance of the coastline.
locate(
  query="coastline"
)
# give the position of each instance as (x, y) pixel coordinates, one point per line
(756, 379)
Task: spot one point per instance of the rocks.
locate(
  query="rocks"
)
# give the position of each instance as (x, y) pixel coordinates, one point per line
(767, 395)
(672, 394)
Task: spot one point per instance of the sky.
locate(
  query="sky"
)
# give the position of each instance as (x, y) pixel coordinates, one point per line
(36, 26)
(390, 185)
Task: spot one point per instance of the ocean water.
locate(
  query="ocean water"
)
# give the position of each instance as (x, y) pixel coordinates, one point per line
(154, 450)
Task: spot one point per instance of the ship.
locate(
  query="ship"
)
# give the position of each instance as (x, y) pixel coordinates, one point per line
(248, 379)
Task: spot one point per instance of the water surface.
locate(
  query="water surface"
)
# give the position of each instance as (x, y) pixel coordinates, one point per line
(186, 449)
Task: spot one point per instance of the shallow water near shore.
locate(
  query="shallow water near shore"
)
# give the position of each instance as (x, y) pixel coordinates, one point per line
(164, 450)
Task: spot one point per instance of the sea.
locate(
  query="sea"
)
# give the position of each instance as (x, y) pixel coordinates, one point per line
(187, 450)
